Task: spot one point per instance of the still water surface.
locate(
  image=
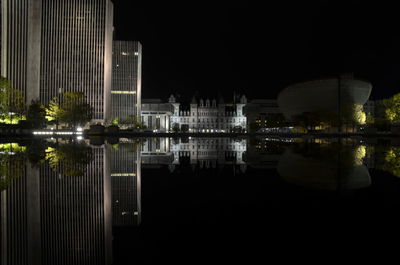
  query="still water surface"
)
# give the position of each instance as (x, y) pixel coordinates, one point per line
(193, 200)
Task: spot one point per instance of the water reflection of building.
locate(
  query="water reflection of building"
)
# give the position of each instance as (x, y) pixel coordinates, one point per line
(201, 152)
(48, 218)
(20, 219)
(126, 183)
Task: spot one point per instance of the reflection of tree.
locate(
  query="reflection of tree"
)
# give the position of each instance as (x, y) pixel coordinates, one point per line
(69, 159)
(391, 162)
(11, 166)
(325, 166)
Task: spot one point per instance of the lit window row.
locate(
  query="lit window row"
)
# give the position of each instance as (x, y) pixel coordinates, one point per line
(123, 92)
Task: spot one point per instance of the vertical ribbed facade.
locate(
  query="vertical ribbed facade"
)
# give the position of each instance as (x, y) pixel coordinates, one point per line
(54, 46)
(76, 51)
(20, 45)
(125, 183)
(20, 216)
(75, 216)
(126, 79)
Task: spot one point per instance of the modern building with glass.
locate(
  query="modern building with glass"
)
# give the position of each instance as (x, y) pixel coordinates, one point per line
(126, 80)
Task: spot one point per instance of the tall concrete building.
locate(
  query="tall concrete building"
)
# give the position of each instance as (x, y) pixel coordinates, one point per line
(126, 79)
(49, 47)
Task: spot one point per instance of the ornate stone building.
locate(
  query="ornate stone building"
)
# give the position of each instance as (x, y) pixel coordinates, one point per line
(208, 115)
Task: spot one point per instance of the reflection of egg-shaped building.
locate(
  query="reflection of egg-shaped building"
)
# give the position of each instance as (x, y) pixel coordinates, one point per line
(323, 94)
(314, 173)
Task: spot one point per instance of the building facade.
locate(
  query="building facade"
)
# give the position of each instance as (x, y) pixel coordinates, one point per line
(260, 112)
(126, 79)
(49, 47)
(156, 115)
(207, 116)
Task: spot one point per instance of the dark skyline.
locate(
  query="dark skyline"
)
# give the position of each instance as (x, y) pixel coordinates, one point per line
(258, 50)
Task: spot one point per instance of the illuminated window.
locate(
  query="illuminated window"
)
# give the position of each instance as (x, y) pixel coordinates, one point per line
(123, 92)
(125, 53)
(136, 54)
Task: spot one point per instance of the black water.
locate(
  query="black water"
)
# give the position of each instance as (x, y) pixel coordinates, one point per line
(200, 200)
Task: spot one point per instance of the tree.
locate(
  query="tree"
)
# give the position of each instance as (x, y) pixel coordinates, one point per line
(392, 108)
(134, 121)
(175, 127)
(115, 121)
(12, 101)
(36, 115)
(75, 110)
(369, 119)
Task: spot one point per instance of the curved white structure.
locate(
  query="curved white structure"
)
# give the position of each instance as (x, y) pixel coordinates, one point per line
(323, 94)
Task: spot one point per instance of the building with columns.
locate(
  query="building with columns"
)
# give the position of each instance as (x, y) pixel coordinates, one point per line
(156, 115)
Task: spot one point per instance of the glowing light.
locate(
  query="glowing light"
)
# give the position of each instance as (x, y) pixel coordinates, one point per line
(124, 92)
(123, 175)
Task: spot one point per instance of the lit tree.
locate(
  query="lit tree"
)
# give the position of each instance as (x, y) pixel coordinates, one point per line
(12, 101)
(134, 121)
(74, 109)
(392, 108)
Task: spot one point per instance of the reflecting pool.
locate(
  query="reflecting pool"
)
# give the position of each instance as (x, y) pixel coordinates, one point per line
(190, 200)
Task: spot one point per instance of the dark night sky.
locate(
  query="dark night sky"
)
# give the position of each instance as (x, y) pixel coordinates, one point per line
(258, 50)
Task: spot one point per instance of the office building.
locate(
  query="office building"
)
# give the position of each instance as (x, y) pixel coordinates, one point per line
(260, 112)
(126, 79)
(49, 47)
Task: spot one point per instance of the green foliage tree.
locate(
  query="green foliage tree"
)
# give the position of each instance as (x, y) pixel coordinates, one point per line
(36, 115)
(133, 121)
(392, 161)
(12, 101)
(75, 110)
(369, 119)
(392, 108)
(115, 121)
(53, 111)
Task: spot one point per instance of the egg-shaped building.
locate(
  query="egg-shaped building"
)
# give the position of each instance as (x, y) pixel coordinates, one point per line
(323, 94)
